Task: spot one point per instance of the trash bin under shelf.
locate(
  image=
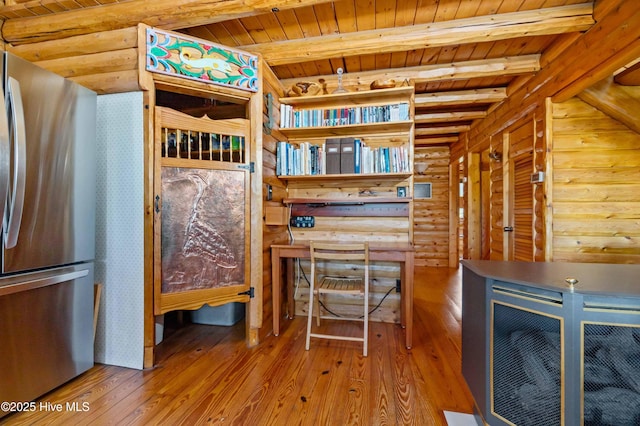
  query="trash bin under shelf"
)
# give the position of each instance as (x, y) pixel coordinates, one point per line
(227, 314)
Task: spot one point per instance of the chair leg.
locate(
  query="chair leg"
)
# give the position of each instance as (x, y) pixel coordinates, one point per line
(309, 319)
(365, 343)
(318, 309)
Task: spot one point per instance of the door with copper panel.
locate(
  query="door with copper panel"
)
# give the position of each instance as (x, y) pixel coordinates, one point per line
(201, 226)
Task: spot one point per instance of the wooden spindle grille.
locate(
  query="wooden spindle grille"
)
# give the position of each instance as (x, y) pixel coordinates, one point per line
(195, 145)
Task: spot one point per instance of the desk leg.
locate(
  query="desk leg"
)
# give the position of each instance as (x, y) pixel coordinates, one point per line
(407, 271)
(276, 288)
(291, 303)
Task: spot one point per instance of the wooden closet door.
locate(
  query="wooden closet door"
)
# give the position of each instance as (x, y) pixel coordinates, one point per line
(523, 243)
(202, 220)
(519, 195)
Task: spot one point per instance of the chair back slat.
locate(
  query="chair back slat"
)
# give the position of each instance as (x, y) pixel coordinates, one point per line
(329, 284)
(340, 251)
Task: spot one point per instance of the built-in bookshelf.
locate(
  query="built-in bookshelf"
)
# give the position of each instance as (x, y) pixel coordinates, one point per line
(347, 134)
(340, 156)
(293, 117)
(352, 173)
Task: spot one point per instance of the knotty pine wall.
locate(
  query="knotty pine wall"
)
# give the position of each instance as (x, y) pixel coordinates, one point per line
(272, 234)
(383, 275)
(431, 216)
(588, 209)
(596, 186)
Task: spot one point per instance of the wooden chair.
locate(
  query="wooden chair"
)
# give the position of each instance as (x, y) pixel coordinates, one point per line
(358, 253)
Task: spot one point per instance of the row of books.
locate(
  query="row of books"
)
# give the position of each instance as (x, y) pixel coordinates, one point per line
(339, 156)
(293, 118)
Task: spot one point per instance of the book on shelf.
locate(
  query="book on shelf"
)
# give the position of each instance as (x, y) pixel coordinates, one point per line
(347, 155)
(339, 156)
(291, 117)
(332, 148)
(357, 156)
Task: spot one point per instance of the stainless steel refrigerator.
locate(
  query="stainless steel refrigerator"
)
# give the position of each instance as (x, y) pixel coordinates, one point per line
(47, 202)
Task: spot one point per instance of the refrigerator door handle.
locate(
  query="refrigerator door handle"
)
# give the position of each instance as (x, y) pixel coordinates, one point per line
(13, 218)
(4, 155)
(39, 282)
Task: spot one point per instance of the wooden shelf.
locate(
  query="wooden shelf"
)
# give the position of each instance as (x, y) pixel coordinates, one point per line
(354, 98)
(347, 176)
(347, 130)
(358, 195)
(350, 207)
(346, 201)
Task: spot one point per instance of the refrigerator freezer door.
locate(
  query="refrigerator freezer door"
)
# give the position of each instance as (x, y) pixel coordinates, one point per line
(46, 337)
(58, 219)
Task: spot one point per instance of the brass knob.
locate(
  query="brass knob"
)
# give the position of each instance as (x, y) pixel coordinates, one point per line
(571, 281)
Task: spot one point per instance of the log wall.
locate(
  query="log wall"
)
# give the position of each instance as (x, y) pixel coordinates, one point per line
(596, 186)
(594, 55)
(106, 62)
(431, 216)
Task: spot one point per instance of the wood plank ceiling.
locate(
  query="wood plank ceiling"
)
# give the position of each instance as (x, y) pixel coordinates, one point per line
(463, 56)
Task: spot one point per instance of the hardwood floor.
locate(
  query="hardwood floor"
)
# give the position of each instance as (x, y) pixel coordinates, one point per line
(205, 374)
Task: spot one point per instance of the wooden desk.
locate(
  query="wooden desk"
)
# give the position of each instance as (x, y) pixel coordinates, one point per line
(381, 251)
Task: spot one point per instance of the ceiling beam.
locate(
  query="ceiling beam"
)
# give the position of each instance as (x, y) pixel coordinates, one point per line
(504, 26)
(614, 101)
(460, 97)
(512, 65)
(615, 41)
(166, 14)
(446, 117)
(441, 130)
(435, 140)
(630, 76)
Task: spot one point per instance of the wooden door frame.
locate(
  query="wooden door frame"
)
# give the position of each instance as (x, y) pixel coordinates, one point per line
(195, 298)
(149, 82)
(254, 313)
(514, 151)
(485, 204)
(474, 206)
(454, 220)
(477, 201)
(507, 191)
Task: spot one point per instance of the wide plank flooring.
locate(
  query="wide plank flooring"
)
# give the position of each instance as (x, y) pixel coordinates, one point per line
(207, 375)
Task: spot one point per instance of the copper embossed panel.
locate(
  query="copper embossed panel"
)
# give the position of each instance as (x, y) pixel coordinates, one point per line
(203, 242)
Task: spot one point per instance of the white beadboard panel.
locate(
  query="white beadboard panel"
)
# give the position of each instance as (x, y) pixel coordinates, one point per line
(119, 230)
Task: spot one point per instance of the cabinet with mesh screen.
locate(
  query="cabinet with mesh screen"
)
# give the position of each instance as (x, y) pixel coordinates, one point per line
(560, 344)
(609, 331)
